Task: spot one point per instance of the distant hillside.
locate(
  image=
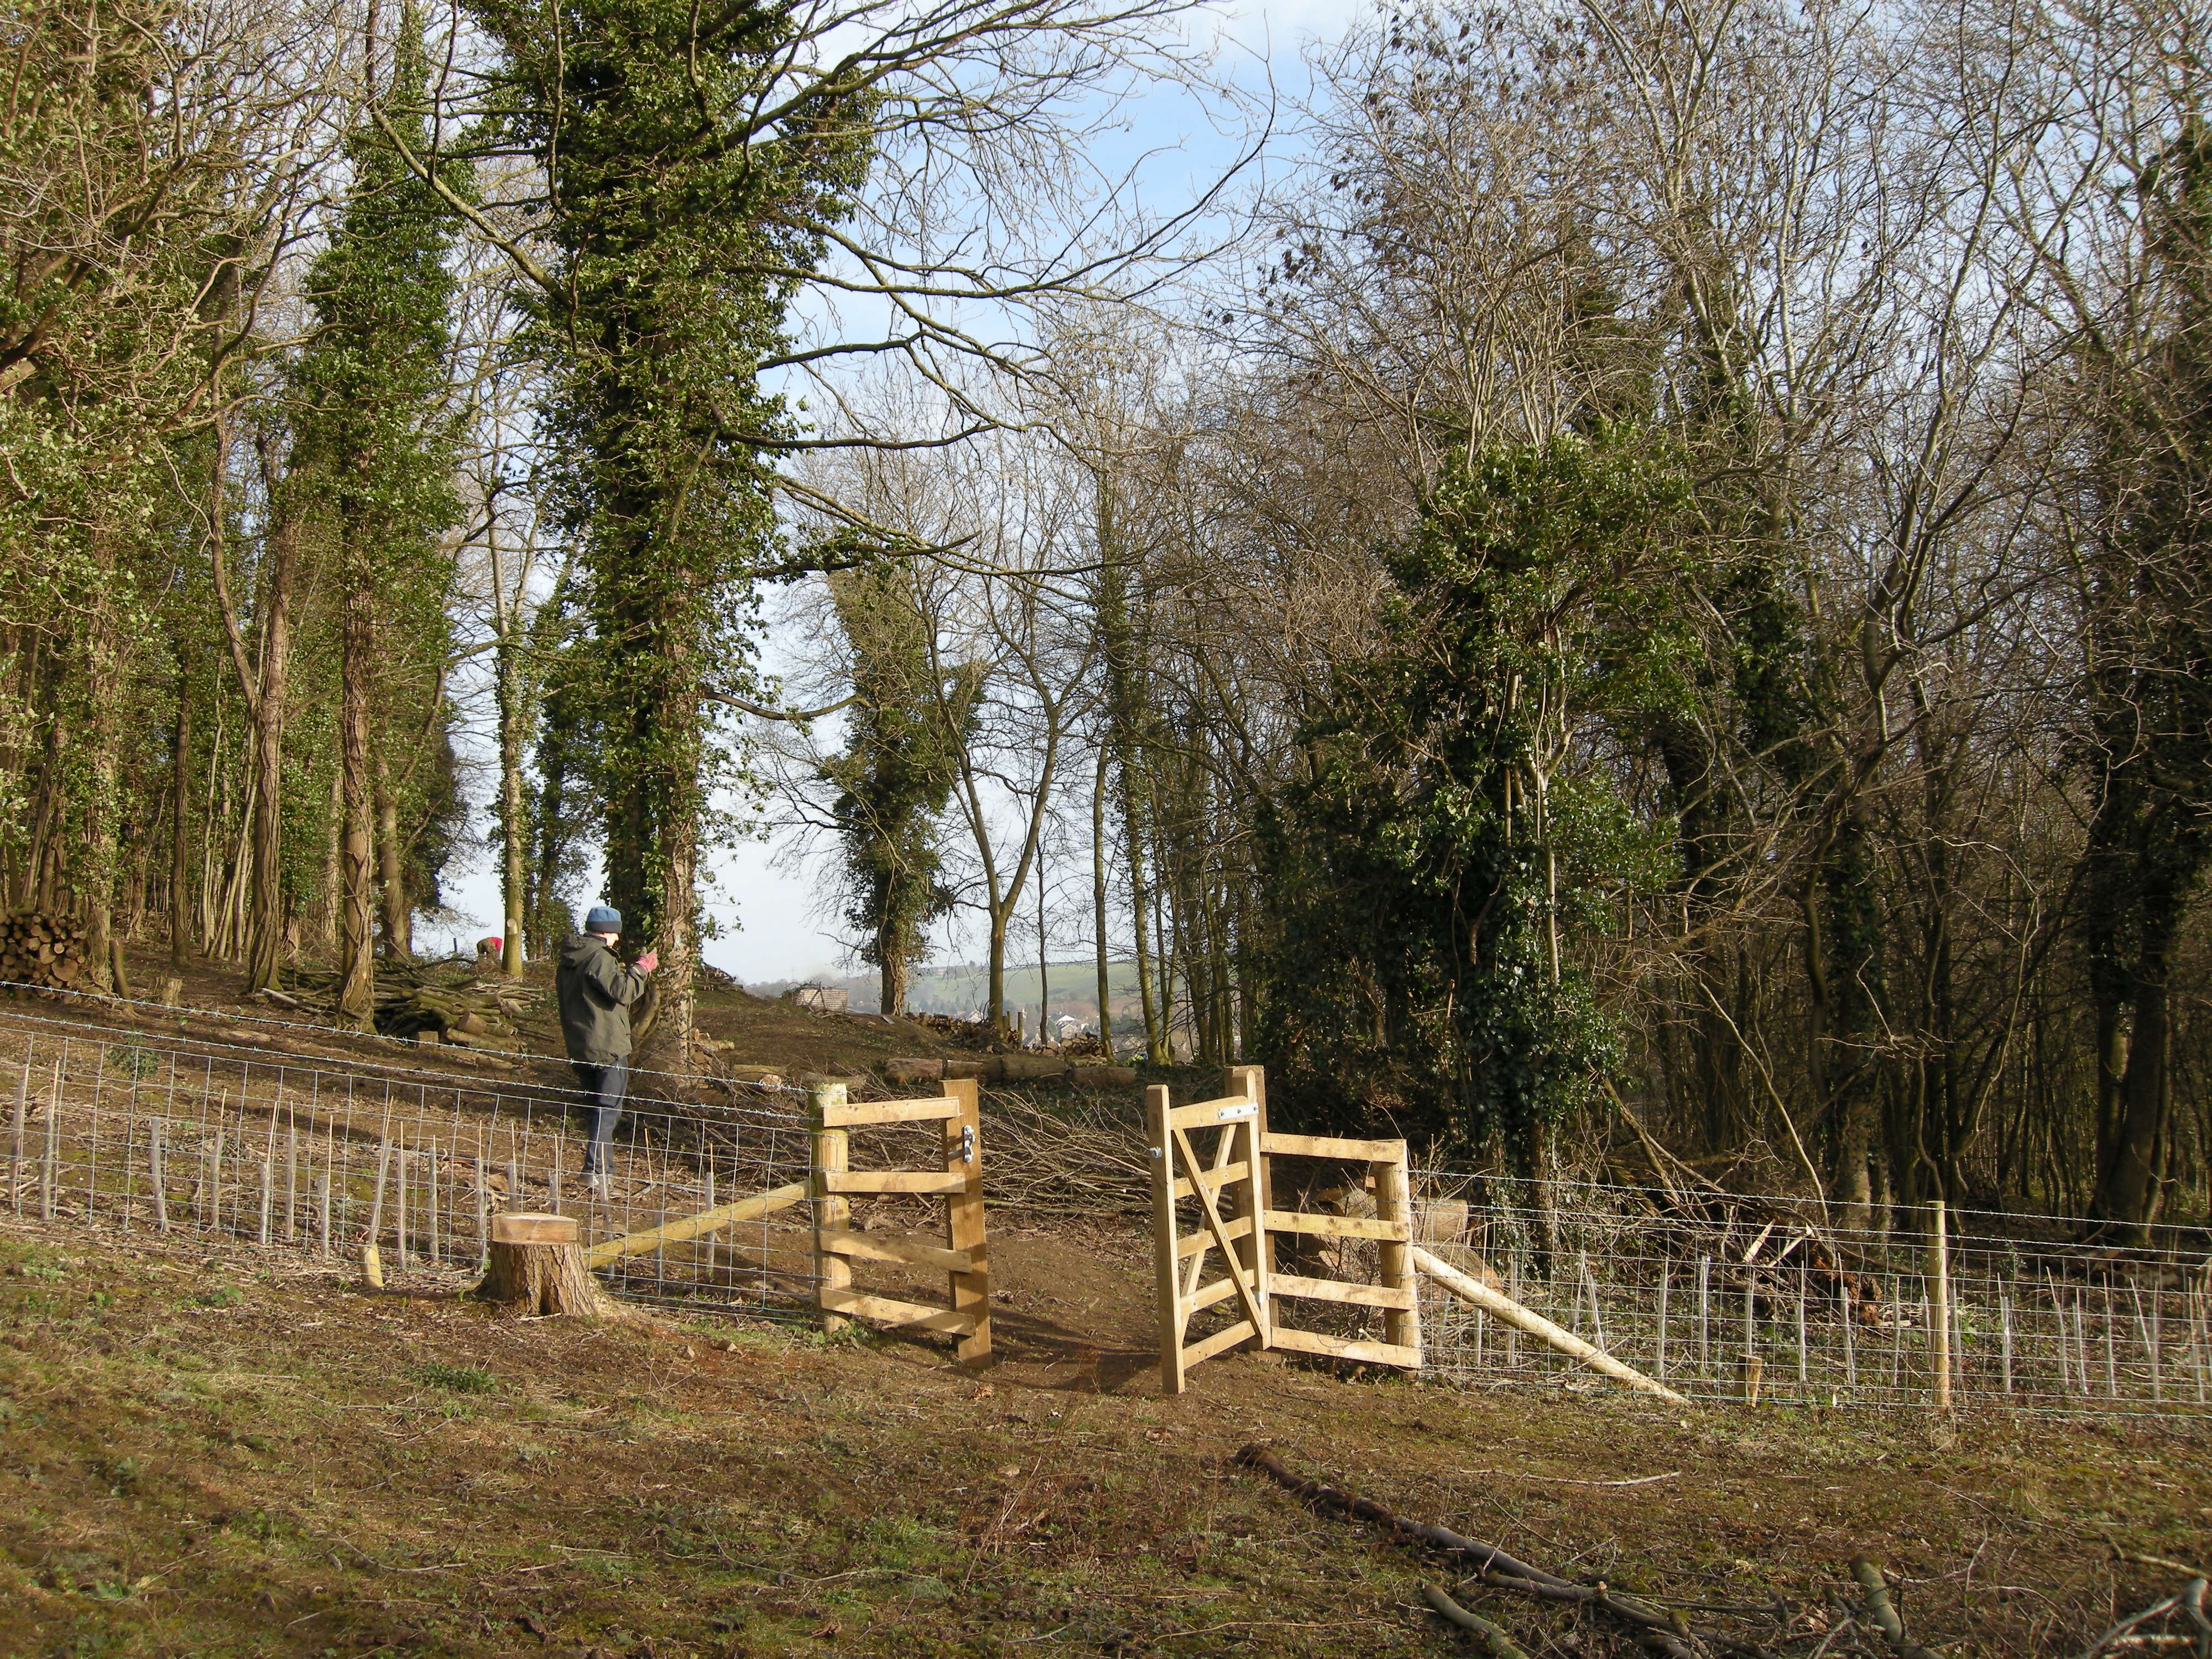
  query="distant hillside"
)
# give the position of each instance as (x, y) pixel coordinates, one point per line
(962, 988)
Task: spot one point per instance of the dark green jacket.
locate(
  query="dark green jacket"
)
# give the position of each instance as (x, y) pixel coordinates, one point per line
(596, 992)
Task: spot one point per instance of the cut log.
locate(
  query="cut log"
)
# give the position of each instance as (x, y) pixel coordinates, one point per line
(1528, 1319)
(537, 1266)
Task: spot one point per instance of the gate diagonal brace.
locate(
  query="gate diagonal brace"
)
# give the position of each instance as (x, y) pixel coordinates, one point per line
(1239, 1273)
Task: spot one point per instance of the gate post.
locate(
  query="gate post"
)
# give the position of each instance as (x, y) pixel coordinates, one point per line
(1168, 1270)
(832, 1211)
(964, 1217)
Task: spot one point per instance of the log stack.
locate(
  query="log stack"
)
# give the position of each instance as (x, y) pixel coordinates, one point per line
(42, 949)
(467, 1015)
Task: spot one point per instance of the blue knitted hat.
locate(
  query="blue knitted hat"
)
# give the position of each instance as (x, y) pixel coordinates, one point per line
(603, 920)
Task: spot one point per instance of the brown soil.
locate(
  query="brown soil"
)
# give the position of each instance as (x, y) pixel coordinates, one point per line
(746, 1030)
(236, 1457)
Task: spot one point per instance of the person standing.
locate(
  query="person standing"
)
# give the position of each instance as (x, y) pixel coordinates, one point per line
(596, 992)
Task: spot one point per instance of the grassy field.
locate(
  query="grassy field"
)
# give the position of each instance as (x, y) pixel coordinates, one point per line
(212, 1457)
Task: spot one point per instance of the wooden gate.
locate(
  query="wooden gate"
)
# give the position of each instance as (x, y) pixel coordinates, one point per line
(961, 1254)
(1228, 1183)
(1230, 1186)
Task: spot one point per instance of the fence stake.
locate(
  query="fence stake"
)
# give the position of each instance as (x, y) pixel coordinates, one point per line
(1940, 1288)
(92, 1142)
(2112, 1348)
(16, 1135)
(49, 1165)
(1705, 1311)
(1666, 1278)
(376, 1202)
(1513, 1289)
(1800, 1327)
(2157, 1375)
(157, 1171)
(2004, 1318)
(1851, 1313)
(1752, 1365)
(268, 1185)
(323, 1209)
(437, 1232)
(292, 1180)
(2081, 1339)
(483, 1216)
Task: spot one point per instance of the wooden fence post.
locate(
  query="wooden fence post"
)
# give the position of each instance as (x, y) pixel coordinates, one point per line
(1168, 1269)
(832, 1212)
(964, 1216)
(1394, 1201)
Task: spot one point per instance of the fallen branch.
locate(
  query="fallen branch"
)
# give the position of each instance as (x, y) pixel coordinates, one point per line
(1495, 1641)
(1529, 1321)
(1661, 1630)
(2189, 1600)
(1880, 1609)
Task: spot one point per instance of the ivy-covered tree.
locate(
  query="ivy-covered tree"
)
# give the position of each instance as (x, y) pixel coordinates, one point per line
(680, 223)
(372, 469)
(2147, 600)
(1451, 831)
(902, 758)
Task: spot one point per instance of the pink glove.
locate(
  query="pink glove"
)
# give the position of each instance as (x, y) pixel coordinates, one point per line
(649, 961)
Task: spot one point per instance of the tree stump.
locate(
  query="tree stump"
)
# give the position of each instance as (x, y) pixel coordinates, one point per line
(536, 1263)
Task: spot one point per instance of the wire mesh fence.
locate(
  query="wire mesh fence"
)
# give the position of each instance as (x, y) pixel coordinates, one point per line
(175, 1141)
(1747, 1299)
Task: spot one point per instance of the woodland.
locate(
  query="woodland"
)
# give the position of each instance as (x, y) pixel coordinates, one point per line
(1648, 560)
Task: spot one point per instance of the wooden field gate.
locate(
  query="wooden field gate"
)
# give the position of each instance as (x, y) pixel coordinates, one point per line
(1230, 1184)
(963, 1255)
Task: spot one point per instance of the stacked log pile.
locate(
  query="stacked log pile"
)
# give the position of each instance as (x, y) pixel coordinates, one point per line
(480, 1015)
(41, 950)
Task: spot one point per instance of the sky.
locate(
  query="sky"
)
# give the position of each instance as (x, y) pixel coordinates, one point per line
(769, 904)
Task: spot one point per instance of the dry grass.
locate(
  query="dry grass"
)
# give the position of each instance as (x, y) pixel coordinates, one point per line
(206, 1459)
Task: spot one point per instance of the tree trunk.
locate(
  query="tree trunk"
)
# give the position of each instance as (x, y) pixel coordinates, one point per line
(512, 831)
(1098, 907)
(2127, 1187)
(398, 907)
(265, 939)
(891, 998)
(356, 873)
(995, 972)
(180, 824)
(332, 906)
(103, 693)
